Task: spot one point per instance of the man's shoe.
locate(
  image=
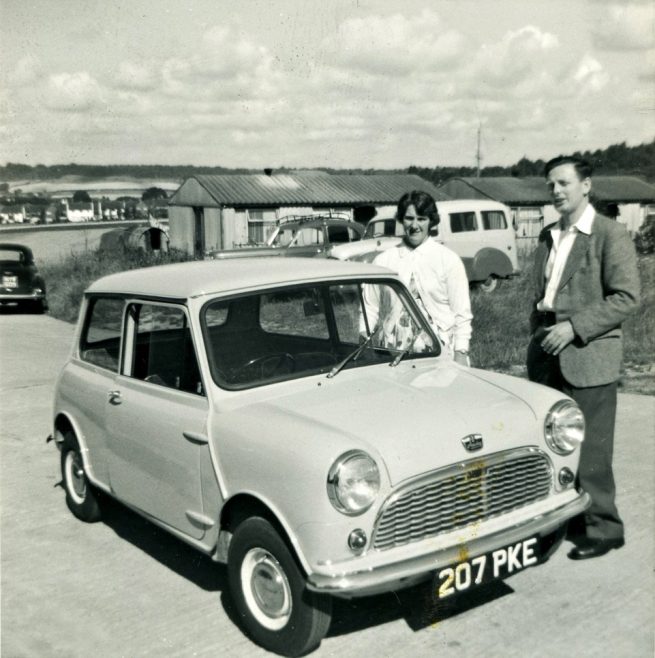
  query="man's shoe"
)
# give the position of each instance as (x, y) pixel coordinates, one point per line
(594, 548)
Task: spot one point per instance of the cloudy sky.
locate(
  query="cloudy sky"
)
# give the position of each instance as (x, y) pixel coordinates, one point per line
(322, 83)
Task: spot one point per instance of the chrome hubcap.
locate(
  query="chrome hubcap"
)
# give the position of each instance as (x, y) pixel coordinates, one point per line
(75, 476)
(266, 589)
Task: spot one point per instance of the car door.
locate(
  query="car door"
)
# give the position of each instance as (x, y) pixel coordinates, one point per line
(91, 373)
(157, 417)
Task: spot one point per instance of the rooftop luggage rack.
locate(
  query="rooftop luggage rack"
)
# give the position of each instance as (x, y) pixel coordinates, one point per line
(301, 219)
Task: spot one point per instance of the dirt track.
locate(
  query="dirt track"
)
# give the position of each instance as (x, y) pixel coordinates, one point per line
(125, 588)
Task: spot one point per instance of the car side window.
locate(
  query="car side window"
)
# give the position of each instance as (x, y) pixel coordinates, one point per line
(163, 351)
(101, 337)
(461, 222)
(338, 234)
(493, 220)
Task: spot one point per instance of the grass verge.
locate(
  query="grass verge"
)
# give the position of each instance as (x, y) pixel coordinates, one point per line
(501, 330)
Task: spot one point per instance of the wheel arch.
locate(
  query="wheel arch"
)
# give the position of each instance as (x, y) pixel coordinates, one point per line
(63, 423)
(245, 505)
(489, 262)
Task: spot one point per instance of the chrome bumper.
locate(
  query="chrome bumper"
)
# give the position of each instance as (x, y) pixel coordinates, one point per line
(407, 572)
(22, 297)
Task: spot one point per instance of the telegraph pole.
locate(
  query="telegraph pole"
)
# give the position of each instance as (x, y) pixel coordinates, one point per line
(478, 157)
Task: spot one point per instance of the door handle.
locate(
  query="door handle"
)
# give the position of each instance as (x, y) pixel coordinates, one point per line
(114, 397)
(195, 437)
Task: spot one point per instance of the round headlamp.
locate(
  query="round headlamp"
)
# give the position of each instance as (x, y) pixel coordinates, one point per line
(564, 427)
(353, 482)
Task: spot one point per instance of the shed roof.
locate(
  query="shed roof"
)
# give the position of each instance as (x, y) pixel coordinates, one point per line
(533, 190)
(301, 189)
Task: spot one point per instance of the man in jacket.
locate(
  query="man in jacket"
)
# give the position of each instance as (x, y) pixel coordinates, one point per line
(586, 285)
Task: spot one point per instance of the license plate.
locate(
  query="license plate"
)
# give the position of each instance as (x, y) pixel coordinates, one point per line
(10, 282)
(498, 564)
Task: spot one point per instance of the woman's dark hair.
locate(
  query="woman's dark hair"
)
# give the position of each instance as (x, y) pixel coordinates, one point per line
(424, 204)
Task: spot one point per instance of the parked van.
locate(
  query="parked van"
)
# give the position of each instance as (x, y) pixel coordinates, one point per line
(479, 231)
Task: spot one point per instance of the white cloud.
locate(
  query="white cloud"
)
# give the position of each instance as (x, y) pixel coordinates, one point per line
(628, 26)
(29, 70)
(74, 92)
(516, 57)
(138, 76)
(395, 45)
(590, 74)
(226, 64)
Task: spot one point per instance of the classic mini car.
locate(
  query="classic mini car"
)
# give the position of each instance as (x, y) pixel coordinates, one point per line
(294, 419)
(306, 235)
(20, 281)
(479, 231)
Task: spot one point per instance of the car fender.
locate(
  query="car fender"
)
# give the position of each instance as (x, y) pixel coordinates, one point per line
(488, 262)
(81, 440)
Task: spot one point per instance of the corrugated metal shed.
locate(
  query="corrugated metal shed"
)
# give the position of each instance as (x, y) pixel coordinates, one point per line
(623, 189)
(260, 190)
(533, 191)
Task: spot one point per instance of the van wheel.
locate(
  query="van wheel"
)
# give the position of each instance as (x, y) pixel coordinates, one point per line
(268, 589)
(81, 498)
(489, 284)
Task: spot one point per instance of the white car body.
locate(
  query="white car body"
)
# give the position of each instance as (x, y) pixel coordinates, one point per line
(194, 457)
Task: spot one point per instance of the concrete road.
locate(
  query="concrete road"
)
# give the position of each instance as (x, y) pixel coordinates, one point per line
(124, 588)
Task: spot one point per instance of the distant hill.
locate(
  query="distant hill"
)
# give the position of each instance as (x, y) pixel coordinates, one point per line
(614, 160)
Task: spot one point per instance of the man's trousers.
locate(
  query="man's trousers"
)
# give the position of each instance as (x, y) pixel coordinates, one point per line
(595, 475)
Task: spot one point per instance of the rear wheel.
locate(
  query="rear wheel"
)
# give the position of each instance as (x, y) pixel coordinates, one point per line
(81, 498)
(489, 284)
(268, 589)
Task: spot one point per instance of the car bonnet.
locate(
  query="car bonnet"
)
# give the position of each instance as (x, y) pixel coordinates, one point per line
(416, 418)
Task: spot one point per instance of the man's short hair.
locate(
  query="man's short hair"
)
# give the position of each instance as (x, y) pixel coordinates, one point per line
(583, 167)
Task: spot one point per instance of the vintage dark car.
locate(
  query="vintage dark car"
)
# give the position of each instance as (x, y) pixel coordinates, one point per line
(20, 282)
(301, 235)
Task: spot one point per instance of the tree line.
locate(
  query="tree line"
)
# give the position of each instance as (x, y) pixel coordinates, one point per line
(618, 159)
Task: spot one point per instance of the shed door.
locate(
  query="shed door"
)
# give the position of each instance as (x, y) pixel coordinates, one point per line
(198, 231)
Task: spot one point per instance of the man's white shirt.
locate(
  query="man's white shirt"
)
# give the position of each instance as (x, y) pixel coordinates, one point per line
(562, 243)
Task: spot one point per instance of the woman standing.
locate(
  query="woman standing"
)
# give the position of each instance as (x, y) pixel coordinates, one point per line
(434, 274)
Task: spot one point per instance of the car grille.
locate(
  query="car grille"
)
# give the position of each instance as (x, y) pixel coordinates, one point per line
(461, 495)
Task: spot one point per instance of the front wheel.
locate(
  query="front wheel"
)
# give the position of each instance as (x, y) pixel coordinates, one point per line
(268, 589)
(81, 498)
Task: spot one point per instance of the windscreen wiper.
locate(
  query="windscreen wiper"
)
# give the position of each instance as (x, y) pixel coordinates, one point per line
(354, 354)
(404, 353)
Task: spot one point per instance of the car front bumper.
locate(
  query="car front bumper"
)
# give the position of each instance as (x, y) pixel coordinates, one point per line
(410, 570)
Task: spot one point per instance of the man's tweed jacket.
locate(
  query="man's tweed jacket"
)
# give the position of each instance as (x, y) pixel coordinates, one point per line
(598, 290)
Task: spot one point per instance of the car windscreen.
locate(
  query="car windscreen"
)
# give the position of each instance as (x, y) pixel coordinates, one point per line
(311, 329)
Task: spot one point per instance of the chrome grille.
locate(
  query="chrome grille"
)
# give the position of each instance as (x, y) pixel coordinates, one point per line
(460, 495)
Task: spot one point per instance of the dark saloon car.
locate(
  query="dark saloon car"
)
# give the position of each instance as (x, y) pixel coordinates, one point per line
(20, 281)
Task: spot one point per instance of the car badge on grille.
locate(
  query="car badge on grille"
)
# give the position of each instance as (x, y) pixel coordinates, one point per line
(472, 442)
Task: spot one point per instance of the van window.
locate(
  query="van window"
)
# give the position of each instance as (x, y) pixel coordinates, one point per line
(463, 221)
(493, 220)
(102, 335)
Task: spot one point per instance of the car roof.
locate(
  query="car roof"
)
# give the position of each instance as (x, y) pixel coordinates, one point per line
(209, 277)
(13, 246)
